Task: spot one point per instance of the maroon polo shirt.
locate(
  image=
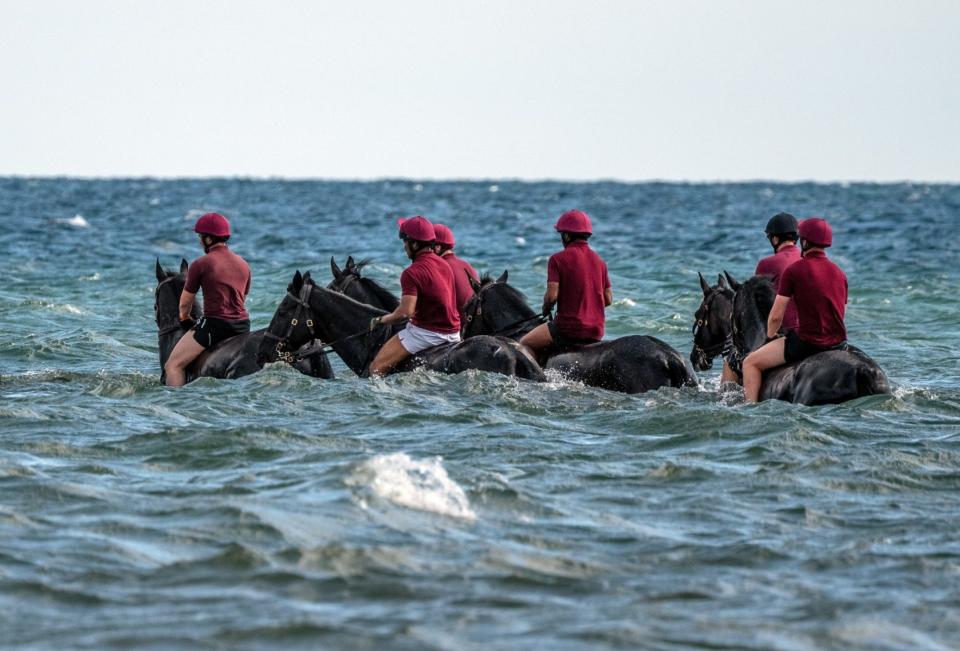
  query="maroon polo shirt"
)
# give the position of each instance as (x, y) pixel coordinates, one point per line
(430, 279)
(461, 282)
(819, 288)
(774, 266)
(583, 278)
(224, 278)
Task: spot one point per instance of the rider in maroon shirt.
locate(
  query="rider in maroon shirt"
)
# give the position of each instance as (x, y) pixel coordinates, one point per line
(578, 284)
(224, 278)
(819, 289)
(427, 300)
(462, 271)
(781, 231)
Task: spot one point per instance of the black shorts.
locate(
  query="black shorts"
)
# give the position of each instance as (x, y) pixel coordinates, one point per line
(567, 343)
(210, 331)
(796, 349)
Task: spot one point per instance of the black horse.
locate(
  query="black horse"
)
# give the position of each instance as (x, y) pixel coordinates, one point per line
(829, 377)
(712, 328)
(631, 364)
(232, 358)
(351, 282)
(309, 311)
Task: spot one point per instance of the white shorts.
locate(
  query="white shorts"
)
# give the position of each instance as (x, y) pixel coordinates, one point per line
(415, 339)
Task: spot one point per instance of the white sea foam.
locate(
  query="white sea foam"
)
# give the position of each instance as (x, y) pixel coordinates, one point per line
(77, 221)
(494, 188)
(629, 302)
(521, 241)
(422, 484)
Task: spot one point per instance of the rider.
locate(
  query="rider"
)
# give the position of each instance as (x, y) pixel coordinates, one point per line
(578, 284)
(462, 271)
(225, 279)
(781, 232)
(427, 299)
(819, 289)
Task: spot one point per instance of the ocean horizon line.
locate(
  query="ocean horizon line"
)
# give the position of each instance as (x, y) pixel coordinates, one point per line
(457, 179)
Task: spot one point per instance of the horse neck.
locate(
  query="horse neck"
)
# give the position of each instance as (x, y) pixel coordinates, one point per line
(750, 322)
(378, 295)
(337, 317)
(510, 309)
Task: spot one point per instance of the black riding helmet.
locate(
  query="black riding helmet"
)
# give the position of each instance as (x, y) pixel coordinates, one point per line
(782, 224)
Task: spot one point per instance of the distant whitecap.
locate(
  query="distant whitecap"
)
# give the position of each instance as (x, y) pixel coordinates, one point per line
(521, 241)
(494, 188)
(417, 188)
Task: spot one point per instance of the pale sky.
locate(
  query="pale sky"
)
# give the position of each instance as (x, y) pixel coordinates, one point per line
(678, 90)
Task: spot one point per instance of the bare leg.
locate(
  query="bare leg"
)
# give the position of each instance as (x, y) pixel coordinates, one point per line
(536, 340)
(768, 356)
(727, 375)
(186, 350)
(388, 357)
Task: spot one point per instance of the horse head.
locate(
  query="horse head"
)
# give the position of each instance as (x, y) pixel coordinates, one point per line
(711, 328)
(166, 308)
(496, 308)
(351, 282)
(751, 307)
(292, 323)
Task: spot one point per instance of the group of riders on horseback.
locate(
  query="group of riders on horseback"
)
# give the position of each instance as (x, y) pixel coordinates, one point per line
(442, 298)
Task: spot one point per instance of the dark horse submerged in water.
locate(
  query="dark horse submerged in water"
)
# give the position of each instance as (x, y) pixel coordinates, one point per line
(309, 311)
(232, 358)
(631, 364)
(734, 316)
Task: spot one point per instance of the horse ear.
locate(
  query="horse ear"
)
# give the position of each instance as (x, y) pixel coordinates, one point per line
(184, 265)
(350, 263)
(307, 278)
(335, 269)
(503, 277)
(473, 282)
(160, 273)
(721, 281)
(734, 285)
(297, 283)
(704, 285)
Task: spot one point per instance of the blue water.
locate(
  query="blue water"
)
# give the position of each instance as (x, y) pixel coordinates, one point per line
(473, 511)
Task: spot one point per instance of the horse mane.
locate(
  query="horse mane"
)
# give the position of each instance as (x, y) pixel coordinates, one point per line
(486, 279)
(756, 298)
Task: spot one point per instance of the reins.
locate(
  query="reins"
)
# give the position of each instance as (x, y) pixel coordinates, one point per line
(477, 311)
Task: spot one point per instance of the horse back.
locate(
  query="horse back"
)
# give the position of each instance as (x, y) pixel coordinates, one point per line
(830, 377)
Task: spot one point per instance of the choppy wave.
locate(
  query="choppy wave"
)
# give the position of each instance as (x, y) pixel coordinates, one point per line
(469, 511)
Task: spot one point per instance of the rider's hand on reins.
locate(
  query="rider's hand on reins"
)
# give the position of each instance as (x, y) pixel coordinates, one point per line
(187, 323)
(376, 322)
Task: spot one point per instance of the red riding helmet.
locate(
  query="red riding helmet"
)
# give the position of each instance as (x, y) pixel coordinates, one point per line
(213, 223)
(417, 228)
(574, 221)
(444, 235)
(816, 231)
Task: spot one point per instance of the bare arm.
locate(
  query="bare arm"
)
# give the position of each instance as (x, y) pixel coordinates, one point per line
(404, 311)
(550, 297)
(186, 304)
(776, 315)
(608, 296)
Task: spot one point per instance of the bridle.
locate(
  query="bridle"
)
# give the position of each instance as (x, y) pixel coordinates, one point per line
(303, 305)
(476, 312)
(719, 347)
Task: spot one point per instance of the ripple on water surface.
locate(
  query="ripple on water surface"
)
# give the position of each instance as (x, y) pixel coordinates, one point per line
(476, 511)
